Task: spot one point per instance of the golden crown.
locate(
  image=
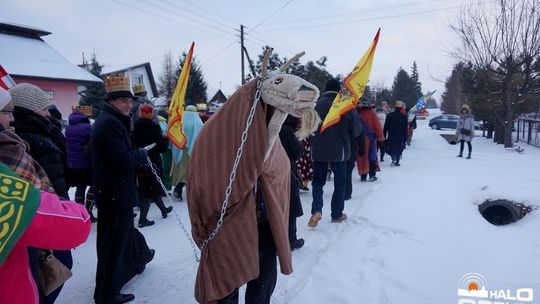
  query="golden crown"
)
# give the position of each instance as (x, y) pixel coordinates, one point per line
(138, 88)
(118, 82)
(86, 110)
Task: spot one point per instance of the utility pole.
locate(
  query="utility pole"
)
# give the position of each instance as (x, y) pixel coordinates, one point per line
(242, 50)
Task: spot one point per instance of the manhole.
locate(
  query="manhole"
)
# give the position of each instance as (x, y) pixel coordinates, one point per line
(503, 212)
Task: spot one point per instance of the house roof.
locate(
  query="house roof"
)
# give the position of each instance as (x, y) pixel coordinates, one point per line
(148, 68)
(24, 53)
(218, 97)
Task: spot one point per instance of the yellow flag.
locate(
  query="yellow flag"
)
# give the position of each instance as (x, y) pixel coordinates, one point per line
(353, 87)
(176, 108)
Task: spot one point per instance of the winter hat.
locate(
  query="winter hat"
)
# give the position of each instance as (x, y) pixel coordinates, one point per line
(146, 111)
(466, 107)
(399, 104)
(117, 86)
(6, 104)
(29, 96)
(365, 103)
(191, 108)
(332, 84)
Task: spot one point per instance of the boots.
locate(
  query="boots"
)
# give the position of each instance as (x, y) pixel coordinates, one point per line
(89, 204)
(314, 220)
(178, 191)
(161, 206)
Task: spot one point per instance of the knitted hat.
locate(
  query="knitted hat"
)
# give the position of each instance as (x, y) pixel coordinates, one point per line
(399, 104)
(29, 96)
(332, 85)
(191, 108)
(146, 111)
(466, 106)
(6, 104)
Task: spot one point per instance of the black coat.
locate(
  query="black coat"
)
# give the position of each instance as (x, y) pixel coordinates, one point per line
(115, 160)
(294, 150)
(47, 145)
(395, 131)
(146, 132)
(334, 144)
(358, 141)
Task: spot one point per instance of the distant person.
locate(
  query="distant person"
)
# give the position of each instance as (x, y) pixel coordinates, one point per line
(79, 162)
(122, 251)
(331, 147)
(465, 129)
(368, 163)
(146, 132)
(191, 125)
(294, 150)
(395, 131)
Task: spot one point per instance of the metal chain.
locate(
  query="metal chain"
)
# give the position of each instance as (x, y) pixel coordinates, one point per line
(193, 245)
(232, 177)
(239, 152)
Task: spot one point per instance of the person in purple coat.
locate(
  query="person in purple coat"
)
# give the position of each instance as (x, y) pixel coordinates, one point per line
(79, 162)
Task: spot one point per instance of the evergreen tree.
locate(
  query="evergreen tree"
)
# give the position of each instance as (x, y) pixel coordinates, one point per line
(167, 78)
(417, 86)
(403, 88)
(196, 88)
(94, 94)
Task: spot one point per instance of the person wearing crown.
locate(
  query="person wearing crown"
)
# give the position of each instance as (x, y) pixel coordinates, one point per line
(122, 251)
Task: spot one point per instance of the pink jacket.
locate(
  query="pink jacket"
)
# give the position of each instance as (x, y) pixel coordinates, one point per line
(58, 225)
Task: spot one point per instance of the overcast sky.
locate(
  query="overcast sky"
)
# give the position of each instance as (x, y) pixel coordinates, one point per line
(130, 32)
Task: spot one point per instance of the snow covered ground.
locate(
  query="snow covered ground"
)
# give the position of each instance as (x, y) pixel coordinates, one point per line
(410, 236)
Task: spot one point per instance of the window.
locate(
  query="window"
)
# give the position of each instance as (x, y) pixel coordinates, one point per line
(136, 79)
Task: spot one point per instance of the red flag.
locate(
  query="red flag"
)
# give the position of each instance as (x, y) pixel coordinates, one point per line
(6, 81)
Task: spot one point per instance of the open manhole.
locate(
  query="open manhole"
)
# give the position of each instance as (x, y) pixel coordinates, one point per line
(503, 212)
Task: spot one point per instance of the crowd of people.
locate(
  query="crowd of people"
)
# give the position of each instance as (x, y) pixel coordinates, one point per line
(124, 161)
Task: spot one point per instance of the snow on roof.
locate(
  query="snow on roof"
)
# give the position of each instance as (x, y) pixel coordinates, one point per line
(35, 58)
(7, 25)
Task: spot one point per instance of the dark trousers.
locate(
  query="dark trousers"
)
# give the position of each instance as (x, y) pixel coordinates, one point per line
(348, 185)
(461, 146)
(122, 252)
(372, 171)
(319, 180)
(145, 206)
(259, 291)
(382, 149)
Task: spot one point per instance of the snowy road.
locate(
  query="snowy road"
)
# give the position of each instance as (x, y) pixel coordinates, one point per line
(410, 236)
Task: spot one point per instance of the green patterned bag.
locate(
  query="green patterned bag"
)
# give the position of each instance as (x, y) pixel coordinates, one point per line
(19, 202)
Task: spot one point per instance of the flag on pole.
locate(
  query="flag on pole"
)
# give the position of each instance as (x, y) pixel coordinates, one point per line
(354, 86)
(420, 103)
(176, 108)
(6, 81)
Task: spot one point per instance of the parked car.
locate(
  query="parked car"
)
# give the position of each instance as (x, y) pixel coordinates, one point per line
(422, 114)
(444, 121)
(447, 121)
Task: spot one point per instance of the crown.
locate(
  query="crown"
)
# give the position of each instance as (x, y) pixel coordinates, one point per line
(115, 83)
(138, 88)
(86, 110)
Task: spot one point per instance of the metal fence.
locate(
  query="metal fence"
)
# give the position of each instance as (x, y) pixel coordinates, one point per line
(528, 130)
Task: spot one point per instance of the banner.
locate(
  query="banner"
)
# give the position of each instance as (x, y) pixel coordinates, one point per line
(176, 108)
(354, 86)
(6, 81)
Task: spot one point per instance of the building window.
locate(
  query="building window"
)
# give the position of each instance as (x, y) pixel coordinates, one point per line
(136, 79)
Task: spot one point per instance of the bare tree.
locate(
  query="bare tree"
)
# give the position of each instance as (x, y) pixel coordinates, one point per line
(167, 78)
(502, 39)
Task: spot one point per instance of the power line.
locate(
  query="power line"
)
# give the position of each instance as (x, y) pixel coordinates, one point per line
(182, 9)
(218, 53)
(352, 13)
(165, 17)
(210, 12)
(161, 8)
(271, 15)
(367, 19)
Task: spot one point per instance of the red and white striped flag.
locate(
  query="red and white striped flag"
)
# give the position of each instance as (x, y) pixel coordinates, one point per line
(6, 81)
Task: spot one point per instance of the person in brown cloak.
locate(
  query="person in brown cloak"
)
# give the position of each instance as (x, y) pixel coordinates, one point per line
(255, 224)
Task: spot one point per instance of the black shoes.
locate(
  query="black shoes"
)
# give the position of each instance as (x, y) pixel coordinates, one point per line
(373, 178)
(460, 155)
(299, 243)
(152, 253)
(167, 211)
(469, 157)
(121, 298)
(145, 223)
